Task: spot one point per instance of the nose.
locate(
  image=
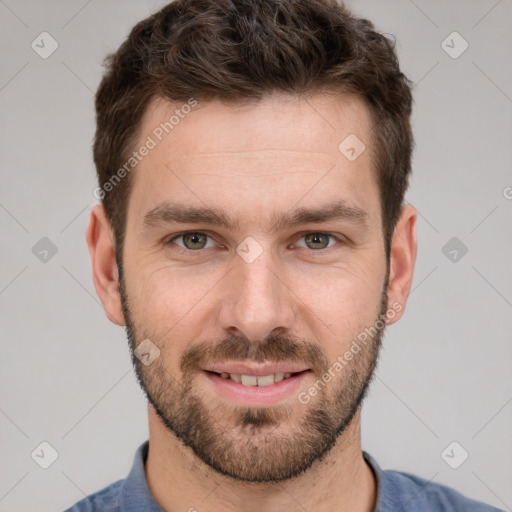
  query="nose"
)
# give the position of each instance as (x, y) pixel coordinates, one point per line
(256, 299)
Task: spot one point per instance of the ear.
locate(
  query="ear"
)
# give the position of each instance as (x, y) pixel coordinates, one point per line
(105, 274)
(402, 260)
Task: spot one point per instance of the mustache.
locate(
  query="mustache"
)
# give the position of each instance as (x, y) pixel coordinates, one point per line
(275, 348)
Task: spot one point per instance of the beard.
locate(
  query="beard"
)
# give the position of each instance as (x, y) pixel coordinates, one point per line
(255, 444)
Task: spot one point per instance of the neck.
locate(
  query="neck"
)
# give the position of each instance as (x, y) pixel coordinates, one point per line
(178, 480)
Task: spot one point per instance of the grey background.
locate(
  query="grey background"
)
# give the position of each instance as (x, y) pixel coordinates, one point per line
(444, 374)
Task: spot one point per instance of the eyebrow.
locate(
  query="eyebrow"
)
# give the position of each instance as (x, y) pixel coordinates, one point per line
(167, 213)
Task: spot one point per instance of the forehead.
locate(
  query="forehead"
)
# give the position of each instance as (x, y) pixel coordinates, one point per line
(278, 121)
(261, 157)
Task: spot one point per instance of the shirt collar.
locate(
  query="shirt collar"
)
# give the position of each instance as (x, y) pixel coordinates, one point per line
(380, 491)
(135, 494)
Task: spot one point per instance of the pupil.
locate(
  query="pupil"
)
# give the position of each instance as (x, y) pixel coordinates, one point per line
(315, 238)
(194, 239)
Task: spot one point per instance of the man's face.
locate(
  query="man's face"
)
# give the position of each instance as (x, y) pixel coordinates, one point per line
(281, 298)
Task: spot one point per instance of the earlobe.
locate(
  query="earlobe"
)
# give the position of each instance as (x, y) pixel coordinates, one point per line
(402, 260)
(105, 273)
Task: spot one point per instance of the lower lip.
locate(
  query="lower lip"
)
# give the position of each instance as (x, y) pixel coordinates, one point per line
(256, 395)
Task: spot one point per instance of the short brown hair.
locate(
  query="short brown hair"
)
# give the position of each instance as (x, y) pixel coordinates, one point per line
(241, 50)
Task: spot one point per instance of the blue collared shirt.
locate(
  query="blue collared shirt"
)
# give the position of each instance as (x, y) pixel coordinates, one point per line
(396, 491)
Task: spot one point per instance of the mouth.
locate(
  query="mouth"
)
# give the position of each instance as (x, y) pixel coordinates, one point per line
(256, 386)
(256, 380)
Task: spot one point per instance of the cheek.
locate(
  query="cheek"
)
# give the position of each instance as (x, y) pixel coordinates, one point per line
(350, 291)
(348, 300)
(169, 305)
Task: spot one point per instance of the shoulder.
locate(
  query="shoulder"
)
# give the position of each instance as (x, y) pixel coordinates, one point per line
(107, 499)
(412, 493)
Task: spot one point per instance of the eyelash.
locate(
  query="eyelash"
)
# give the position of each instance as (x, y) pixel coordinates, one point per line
(177, 248)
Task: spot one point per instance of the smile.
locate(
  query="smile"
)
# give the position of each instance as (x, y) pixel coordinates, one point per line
(257, 380)
(249, 389)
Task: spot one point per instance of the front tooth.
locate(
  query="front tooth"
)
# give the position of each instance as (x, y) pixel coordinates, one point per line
(249, 380)
(266, 380)
(278, 377)
(236, 377)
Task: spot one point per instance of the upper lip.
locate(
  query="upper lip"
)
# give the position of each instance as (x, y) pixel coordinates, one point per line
(257, 369)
